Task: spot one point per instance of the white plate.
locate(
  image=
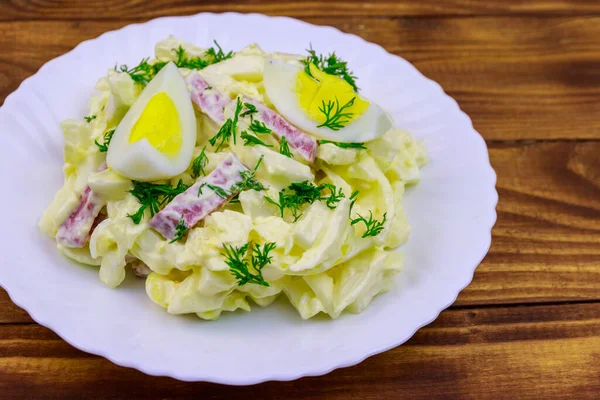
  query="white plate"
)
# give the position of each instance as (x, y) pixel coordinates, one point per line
(451, 211)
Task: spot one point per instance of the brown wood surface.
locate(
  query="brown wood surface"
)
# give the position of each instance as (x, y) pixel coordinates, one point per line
(537, 352)
(528, 326)
(117, 9)
(517, 77)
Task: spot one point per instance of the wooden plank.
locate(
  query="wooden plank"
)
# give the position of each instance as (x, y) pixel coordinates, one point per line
(90, 10)
(518, 78)
(546, 243)
(538, 352)
(11, 313)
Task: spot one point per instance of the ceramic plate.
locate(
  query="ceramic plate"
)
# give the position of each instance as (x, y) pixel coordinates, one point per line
(451, 213)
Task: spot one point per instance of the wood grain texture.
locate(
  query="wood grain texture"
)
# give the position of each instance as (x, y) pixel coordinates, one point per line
(117, 9)
(518, 78)
(10, 312)
(528, 326)
(546, 243)
(538, 352)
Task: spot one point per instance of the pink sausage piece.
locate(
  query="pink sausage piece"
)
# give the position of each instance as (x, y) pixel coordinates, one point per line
(210, 101)
(76, 230)
(305, 145)
(192, 206)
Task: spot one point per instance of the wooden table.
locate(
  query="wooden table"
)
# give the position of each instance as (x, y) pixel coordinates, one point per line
(528, 74)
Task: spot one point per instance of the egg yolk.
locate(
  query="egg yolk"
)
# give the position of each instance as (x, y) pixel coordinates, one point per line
(160, 124)
(323, 88)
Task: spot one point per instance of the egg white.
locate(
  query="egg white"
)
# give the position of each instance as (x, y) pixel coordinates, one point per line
(140, 160)
(280, 84)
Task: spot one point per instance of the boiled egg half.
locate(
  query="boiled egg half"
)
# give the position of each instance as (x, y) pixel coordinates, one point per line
(155, 139)
(312, 102)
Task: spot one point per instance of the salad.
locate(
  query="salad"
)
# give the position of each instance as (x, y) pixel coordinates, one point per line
(229, 179)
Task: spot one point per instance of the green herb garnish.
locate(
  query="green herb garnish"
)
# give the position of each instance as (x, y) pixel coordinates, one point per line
(250, 109)
(301, 193)
(218, 55)
(89, 118)
(284, 148)
(144, 71)
(260, 258)
(238, 108)
(283, 203)
(103, 148)
(191, 63)
(259, 127)
(331, 65)
(249, 181)
(199, 163)
(335, 195)
(235, 258)
(353, 199)
(335, 117)
(153, 196)
(223, 135)
(342, 145)
(373, 226)
(218, 190)
(228, 129)
(251, 140)
(180, 230)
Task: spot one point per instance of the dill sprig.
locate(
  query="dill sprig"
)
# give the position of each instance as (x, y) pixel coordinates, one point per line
(342, 145)
(236, 115)
(236, 259)
(250, 109)
(335, 195)
(335, 117)
(248, 181)
(199, 163)
(223, 134)
(331, 65)
(251, 140)
(218, 55)
(352, 199)
(143, 73)
(373, 227)
(210, 56)
(153, 196)
(228, 129)
(300, 193)
(183, 61)
(89, 118)
(260, 258)
(103, 148)
(180, 230)
(218, 190)
(259, 127)
(284, 148)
